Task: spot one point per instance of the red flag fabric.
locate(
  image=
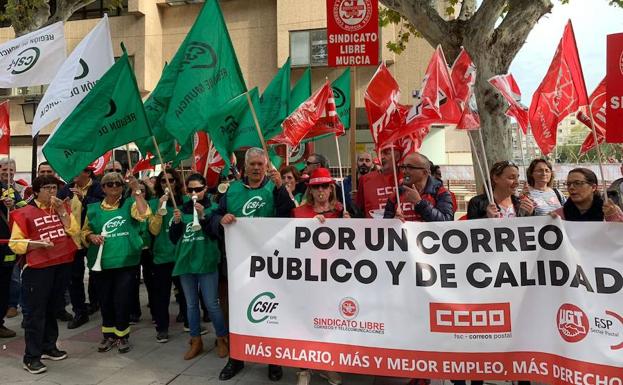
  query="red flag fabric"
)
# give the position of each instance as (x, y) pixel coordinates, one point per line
(100, 163)
(143, 164)
(561, 92)
(463, 75)
(597, 103)
(381, 100)
(200, 151)
(314, 117)
(5, 128)
(509, 89)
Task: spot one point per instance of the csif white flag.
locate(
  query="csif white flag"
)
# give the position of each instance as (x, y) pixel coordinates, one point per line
(32, 59)
(83, 68)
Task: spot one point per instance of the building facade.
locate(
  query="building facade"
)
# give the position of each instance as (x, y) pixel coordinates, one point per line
(264, 34)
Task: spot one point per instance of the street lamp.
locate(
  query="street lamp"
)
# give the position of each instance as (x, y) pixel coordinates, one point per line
(29, 107)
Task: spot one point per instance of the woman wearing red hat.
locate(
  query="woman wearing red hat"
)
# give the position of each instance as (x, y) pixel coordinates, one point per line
(320, 199)
(320, 202)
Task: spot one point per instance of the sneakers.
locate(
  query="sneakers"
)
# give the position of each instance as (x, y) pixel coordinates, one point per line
(332, 378)
(162, 337)
(54, 355)
(106, 345)
(34, 367)
(11, 312)
(64, 316)
(6, 333)
(304, 377)
(123, 345)
(77, 321)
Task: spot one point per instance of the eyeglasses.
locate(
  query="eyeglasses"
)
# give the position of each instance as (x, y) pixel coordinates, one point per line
(309, 163)
(113, 184)
(324, 186)
(195, 189)
(113, 170)
(576, 183)
(165, 180)
(49, 187)
(411, 167)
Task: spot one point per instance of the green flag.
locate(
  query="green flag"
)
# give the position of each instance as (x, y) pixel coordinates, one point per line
(232, 126)
(206, 73)
(341, 93)
(275, 102)
(301, 91)
(111, 115)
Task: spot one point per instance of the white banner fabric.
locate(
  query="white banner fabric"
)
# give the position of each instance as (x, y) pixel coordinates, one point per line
(525, 299)
(83, 68)
(32, 59)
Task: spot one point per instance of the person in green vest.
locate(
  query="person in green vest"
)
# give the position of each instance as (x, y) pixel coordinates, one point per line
(164, 249)
(114, 226)
(255, 195)
(197, 256)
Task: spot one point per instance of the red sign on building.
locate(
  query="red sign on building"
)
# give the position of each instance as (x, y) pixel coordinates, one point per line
(614, 89)
(353, 32)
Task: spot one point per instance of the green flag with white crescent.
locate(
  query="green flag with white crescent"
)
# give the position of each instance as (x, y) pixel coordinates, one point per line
(110, 116)
(341, 93)
(206, 74)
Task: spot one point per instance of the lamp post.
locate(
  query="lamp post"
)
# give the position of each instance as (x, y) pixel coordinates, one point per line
(29, 107)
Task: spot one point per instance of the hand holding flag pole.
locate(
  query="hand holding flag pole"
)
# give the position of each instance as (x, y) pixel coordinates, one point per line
(164, 169)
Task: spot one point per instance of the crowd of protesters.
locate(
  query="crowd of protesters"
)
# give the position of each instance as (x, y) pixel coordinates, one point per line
(170, 231)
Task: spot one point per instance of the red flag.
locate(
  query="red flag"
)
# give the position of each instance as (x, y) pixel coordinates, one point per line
(614, 88)
(100, 163)
(597, 102)
(381, 100)
(5, 128)
(314, 117)
(200, 151)
(143, 164)
(463, 76)
(509, 89)
(561, 92)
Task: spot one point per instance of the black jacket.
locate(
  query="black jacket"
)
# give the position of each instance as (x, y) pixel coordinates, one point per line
(477, 207)
(441, 210)
(94, 194)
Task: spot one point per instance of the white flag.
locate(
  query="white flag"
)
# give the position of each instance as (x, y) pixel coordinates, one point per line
(32, 59)
(78, 74)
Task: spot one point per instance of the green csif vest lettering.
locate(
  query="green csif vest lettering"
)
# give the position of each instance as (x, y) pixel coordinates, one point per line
(164, 249)
(195, 252)
(123, 243)
(243, 201)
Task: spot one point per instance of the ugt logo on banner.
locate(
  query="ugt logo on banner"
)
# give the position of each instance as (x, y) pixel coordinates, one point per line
(353, 32)
(614, 89)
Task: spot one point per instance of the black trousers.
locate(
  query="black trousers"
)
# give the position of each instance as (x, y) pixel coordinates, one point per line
(6, 269)
(43, 291)
(162, 294)
(147, 265)
(76, 284)
(114, 287)
(180, 298)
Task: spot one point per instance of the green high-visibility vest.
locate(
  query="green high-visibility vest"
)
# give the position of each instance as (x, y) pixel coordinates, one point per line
(195, 252)
(243, 201)
(164, 249)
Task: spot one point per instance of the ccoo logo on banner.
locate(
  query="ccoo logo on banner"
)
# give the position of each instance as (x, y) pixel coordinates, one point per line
(32, 59)
(522, 299)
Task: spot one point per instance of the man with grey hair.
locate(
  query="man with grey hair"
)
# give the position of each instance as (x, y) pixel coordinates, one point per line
(255, 195)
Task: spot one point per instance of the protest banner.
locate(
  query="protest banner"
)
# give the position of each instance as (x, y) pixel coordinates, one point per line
(522, 299)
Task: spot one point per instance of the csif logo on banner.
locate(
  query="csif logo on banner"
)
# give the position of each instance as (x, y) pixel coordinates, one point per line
(261, 308)
(24, 61)
(201, 55)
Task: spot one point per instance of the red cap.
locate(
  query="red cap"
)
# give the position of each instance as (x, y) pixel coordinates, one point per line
(320, 176)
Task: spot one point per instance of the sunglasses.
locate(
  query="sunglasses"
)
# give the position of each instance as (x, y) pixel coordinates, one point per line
(113, 184)
(411, 167)
(196, 189)
(323, 186)
(165, 180)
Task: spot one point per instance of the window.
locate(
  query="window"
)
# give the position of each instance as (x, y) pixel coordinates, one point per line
(97, 9)
(308, 48)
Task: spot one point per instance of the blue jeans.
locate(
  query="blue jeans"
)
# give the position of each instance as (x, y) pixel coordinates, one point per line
(208, 285)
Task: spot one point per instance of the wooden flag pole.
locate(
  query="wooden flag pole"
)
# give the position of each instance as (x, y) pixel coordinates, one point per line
(127, 151)
(164, 170)
(339, 164)
(523, 157)
(193, 158)
(259, 130)
(479, 164)
(208, 160)
(352, 131)
(395, 179)
(486, 166)
(599, 154)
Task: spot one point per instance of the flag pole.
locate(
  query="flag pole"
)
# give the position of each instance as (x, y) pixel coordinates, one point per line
(486, 167)
(208, 160)
(164, 170)
(523, 158)
(287, 154)
(479, 164)
(352, 132)
(395, 179)
(194, 159)
(339, 164)
(259, 130)
(127, 151)
(599, 153)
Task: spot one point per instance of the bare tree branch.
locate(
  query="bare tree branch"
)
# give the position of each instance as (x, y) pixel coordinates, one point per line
(513, 31)
(66, 8)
